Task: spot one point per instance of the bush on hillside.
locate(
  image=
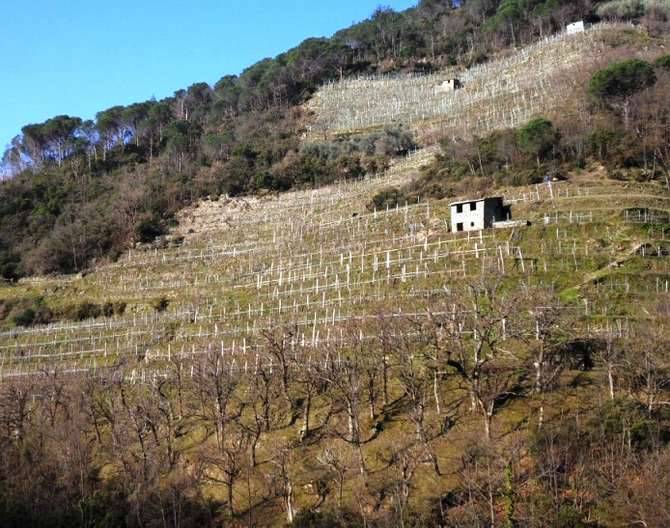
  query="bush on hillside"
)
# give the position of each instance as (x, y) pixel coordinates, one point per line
(25, 312)
(387, 199)
(161, 304)
(663, 62)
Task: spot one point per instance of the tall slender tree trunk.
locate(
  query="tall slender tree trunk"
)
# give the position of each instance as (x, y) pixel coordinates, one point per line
(229, 485)
(385, 381)
(305, 417)
(610, 379)
(436, 392)
(290, 514)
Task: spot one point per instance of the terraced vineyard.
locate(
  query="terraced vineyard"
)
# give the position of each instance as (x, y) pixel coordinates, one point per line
(312, 262)
(312, 358)
(306, 329)
(498, 94)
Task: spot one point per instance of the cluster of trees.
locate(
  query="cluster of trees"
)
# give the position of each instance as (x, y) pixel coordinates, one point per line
(433, 29)
(344, 435)
(635, 9)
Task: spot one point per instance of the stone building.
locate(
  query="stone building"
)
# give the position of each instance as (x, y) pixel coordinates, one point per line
(576, 27)
(481, 213)
(450, 85)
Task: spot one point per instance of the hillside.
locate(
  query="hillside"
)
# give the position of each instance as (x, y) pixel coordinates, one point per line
(84, 190)
(309, 285)
(256, 313)
(498, 94)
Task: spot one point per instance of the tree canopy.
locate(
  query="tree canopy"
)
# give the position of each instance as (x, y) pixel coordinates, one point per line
(622, 79)
(538, 137)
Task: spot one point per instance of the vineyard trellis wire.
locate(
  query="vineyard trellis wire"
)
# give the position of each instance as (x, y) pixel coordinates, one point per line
(498, 94)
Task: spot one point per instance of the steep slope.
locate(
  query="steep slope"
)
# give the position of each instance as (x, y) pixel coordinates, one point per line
(306, 357)
(320, 257)
(502, 93)
(320, 273)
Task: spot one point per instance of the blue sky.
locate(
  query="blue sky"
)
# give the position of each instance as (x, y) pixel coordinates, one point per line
(78, 57)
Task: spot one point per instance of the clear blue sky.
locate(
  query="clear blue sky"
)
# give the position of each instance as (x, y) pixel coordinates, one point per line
(77, 57)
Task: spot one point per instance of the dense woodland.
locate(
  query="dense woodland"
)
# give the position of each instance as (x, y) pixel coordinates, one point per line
(85, 190)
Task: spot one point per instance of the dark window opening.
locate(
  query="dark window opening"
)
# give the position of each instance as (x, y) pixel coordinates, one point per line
(473, 206)
(472, 224)
(459, 226)
(459, 208)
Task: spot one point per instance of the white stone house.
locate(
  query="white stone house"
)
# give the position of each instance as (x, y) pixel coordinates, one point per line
(450, 85)
(575, 27)
(477, 214)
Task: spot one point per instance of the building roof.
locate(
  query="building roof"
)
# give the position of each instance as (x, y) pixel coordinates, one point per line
(476, 200)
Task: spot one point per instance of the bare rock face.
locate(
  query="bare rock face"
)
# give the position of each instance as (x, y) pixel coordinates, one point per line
(213, 215)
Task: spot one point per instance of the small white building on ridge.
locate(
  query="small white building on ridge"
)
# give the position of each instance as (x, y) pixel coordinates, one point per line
(450, 85)
(576, 27)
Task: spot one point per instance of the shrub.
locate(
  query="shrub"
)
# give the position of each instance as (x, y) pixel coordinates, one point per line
(161, 304)
(390, 197)
(82, 311)
(25, 312)
(150, 228)
(24, 317)
(113, 308)
(663, 62)
(10, 267)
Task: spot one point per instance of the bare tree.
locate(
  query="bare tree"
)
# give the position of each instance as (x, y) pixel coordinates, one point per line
(404, 460)
(648, 365)
(310, 384)
(343, 373)
(415, 379)
(482, 478)
(264, 392)
(282, 480)
(612, 354)
(216, 383)
(336, 463)
(227, 465)
(473, 346)
(546, 337)
(278, 346)
(168, 418)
